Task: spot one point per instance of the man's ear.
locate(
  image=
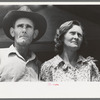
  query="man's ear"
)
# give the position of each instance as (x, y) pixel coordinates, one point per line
(12, 31)
(36, 32)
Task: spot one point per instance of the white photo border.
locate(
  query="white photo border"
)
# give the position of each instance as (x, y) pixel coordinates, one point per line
(49, 89)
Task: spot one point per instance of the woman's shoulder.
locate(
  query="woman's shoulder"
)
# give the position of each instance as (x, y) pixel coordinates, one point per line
(53, 61)
(90, 62)
(94, 69)
(88, 59)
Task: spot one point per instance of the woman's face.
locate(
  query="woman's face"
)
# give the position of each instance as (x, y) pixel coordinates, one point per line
(73, 37)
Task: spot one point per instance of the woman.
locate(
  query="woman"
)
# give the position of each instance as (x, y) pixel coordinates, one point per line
(68, 64)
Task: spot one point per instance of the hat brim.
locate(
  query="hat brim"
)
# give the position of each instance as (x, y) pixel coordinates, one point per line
(12, 16)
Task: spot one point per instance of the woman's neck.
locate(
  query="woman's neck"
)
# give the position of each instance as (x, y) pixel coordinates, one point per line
(69, 56)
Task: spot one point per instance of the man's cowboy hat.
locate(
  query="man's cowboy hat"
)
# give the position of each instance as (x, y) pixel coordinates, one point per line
(24, 11)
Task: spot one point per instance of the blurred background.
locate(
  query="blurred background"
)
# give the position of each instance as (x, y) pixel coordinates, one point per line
(88, 15)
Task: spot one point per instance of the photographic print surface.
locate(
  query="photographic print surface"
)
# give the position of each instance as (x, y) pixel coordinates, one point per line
(56, 14)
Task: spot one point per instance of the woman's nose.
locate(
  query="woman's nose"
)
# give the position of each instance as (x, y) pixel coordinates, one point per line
(76, 35)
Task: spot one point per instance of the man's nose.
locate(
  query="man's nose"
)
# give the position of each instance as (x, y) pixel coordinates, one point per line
(24, 29)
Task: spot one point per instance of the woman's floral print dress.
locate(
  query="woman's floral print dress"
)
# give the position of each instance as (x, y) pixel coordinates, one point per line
(57, 70)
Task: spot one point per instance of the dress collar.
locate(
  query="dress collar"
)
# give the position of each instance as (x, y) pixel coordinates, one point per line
(80, 62)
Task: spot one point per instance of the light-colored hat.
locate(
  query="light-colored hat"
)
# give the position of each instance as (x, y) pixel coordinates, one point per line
(24, 12)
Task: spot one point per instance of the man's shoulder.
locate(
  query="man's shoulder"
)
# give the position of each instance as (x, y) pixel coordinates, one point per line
(3, 51)
(6, 49)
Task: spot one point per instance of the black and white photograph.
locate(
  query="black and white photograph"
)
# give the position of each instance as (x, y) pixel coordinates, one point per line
(48, 49)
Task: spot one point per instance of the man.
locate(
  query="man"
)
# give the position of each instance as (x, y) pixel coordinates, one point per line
(18, 63)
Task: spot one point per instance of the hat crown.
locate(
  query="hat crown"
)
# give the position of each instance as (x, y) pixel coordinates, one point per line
(25, 8)
(24, 12)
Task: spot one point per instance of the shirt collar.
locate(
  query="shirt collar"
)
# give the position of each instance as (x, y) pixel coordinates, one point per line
(12, 50)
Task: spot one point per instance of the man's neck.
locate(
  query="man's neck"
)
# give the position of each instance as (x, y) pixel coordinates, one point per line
(23, 51)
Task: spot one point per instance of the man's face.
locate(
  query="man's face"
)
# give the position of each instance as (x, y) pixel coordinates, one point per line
(23, 31)
(74, 37)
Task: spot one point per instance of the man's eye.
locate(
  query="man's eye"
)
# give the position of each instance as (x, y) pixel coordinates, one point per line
(28, 26)
(20, 25)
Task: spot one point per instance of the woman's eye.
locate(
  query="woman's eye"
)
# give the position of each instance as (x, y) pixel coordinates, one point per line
(79, 35)
(72, 33)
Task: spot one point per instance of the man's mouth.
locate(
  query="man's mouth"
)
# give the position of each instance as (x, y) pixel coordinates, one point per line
(23, 36)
